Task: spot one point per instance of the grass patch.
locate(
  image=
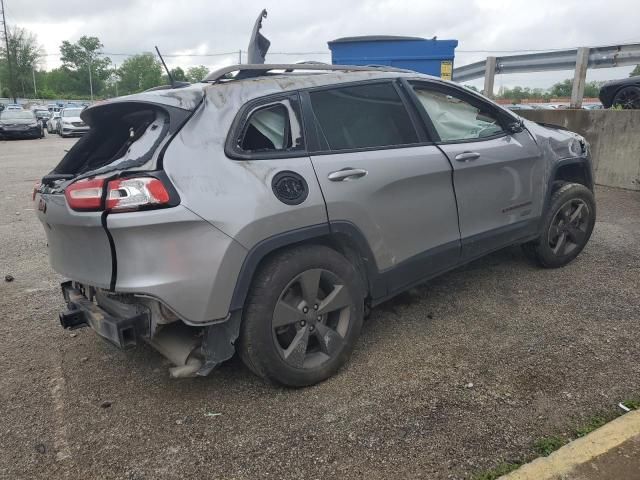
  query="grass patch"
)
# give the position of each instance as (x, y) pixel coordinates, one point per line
(632, 404)
(547, 445)
(592, 424)
(497, 472)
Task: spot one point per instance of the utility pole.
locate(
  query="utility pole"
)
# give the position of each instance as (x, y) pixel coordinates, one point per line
(6, 42)
(90, 78)
(240, 57)
(35, 90)
(115, 76)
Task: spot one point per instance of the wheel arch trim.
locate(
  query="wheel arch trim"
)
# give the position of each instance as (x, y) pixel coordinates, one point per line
(330, 232)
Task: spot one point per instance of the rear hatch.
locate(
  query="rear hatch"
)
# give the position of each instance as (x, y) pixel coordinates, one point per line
(126, 139)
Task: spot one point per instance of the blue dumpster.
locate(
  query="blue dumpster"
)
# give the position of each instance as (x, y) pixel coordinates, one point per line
(434, 57)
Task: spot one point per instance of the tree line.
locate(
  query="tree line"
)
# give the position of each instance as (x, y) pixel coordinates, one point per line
(84, 70)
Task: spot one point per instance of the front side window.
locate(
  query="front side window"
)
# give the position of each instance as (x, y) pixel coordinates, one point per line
(362, 116)
(455, 119)
(271, 128)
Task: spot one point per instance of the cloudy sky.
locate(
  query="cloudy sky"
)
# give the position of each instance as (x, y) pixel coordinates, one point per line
(300, 29)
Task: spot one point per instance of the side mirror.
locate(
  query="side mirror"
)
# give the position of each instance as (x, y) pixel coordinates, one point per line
(515, 127)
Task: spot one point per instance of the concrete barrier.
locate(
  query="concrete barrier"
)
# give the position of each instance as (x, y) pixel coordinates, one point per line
(614, 136)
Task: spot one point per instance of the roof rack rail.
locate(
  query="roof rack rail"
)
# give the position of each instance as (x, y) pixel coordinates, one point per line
(259, 69)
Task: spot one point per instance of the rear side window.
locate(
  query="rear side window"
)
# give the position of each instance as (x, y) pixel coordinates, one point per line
(362, 116)
(456, 119)
(271, 128)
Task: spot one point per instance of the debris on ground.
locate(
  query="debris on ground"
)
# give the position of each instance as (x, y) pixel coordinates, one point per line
(210, 414)
(106, 404)
(8, 278)
(624, 407)
(469, 385)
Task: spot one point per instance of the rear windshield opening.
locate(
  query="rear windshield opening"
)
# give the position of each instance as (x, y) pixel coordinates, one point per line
(119, 133)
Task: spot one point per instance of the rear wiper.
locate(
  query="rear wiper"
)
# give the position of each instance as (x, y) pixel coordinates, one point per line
(54, 177)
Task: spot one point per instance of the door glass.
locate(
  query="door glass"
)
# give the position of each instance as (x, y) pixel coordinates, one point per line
(362, 116)
(269, 128)
(455, 119)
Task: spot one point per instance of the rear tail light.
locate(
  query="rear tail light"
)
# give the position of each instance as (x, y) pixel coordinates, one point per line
(122, 195)
(134, 193)
(85, 194)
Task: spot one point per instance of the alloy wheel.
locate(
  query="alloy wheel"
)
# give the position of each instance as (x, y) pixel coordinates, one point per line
(628, 99)
(568, 229)
(311, 319)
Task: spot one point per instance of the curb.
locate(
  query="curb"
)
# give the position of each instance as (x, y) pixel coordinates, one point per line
(580, 451)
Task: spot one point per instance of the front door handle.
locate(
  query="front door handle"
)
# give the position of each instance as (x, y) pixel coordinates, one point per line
(467, 156)
(346, 174)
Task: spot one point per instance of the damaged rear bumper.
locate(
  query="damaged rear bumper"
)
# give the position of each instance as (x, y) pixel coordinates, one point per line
(195, 351)
(124, 325)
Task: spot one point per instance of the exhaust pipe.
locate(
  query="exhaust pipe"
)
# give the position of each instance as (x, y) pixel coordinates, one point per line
(180, 344)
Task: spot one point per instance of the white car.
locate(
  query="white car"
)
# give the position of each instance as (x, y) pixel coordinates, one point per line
(52, 123)
(70, 123)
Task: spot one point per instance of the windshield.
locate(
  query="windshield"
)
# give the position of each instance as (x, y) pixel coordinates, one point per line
(71, 112)
(42, 112)
(15, 115)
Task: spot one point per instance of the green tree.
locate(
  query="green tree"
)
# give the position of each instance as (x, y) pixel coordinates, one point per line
(635, 71)
(84, 58)
(197, 74)
(138, 73)
(562, 89)
(26, 55)
(177, 74)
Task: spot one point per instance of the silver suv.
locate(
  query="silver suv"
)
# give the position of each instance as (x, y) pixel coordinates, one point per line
(265, 209)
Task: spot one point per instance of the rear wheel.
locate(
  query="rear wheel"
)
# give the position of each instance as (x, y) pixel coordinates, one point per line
(567, 227)
(302, 317)
(628, 98)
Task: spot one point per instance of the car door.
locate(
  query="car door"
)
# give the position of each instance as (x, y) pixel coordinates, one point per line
(379, 173)
(497, 166)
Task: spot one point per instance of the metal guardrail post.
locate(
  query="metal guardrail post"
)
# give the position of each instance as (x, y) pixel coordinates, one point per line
(579, 77)
(489, 76)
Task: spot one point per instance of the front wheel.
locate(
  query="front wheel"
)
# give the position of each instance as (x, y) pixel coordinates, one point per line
(302, 317)
(567, 227)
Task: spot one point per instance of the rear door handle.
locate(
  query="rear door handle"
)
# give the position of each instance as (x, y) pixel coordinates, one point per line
(346, 174)
(467, 156)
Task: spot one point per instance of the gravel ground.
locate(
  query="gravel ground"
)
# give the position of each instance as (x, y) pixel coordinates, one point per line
(543, 349)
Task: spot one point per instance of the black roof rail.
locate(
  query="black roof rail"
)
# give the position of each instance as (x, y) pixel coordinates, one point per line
(258, 70)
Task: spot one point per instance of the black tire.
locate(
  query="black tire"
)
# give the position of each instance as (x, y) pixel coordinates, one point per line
(262, 345)
(562, 239)
(628, 98)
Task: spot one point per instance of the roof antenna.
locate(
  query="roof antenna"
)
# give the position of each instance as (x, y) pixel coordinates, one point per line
(173, 83)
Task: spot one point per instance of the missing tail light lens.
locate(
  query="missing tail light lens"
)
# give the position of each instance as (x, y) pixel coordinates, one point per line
(126, 194)
(85, 194)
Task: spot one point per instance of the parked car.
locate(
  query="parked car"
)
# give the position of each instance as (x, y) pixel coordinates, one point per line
(70, 123)
(43, 116)
(316, 196)
(13, 106)
(519, 106)
(52, 123)
(19, 124)
(592, 106)
(623, 93)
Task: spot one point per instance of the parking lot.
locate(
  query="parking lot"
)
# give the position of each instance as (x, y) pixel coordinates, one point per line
(448, 380)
